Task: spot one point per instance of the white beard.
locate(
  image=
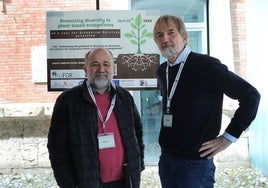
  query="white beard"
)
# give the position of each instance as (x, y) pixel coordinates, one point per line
(168, 53)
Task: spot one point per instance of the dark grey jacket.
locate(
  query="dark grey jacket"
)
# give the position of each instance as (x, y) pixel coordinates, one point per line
(72, 139)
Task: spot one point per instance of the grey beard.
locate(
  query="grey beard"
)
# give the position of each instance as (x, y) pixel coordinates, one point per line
(100, 84)
(168, 53)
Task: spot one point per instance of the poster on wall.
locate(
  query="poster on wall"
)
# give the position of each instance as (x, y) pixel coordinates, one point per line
(127, 34)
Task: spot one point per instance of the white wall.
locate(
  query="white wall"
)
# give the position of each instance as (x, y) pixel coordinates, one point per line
(220, 32)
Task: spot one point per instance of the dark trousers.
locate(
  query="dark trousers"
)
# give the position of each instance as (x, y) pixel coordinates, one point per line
(176, 172)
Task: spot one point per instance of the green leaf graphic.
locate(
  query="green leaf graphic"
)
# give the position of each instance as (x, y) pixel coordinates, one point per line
(138, 34)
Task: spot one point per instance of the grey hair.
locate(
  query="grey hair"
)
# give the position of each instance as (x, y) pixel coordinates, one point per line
(176, 20)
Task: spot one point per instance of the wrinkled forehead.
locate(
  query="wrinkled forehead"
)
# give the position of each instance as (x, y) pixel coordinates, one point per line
(164, 23)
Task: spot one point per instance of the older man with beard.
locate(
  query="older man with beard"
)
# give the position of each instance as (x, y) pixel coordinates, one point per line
(192, 86)
(95, 137)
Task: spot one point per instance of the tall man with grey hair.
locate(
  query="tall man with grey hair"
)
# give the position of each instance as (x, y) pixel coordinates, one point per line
(192, 86)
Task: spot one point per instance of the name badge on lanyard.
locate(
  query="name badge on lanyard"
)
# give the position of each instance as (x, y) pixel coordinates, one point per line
(106, 140)
(167, 120)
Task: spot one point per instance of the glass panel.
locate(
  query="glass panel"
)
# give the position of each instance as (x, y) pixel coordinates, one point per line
(191, 11)
(151, 113)
(195, 41)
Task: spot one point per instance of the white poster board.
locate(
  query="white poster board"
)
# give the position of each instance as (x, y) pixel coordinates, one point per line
(127, 34)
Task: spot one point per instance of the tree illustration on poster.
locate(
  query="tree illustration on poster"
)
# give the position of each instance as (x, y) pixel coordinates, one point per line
(138, 65)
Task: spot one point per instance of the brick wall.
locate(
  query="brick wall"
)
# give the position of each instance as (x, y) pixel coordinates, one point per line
(238, 20)
(23, 25)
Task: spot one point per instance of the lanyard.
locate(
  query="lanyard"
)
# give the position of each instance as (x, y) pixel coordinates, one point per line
(184, 56)
(98, 110)
(169, 96)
